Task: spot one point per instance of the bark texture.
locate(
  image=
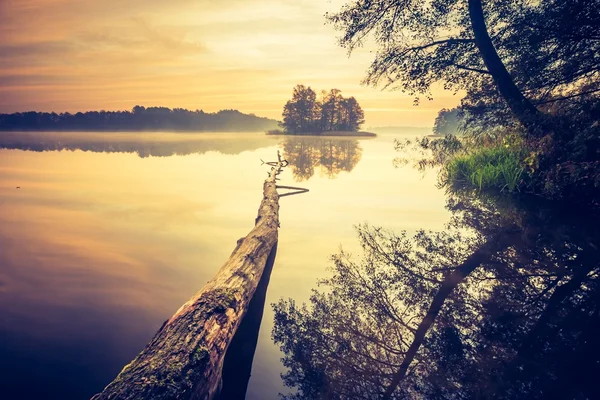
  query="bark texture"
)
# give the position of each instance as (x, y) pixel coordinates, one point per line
(527, 114)
(184, 360)
(237, 365)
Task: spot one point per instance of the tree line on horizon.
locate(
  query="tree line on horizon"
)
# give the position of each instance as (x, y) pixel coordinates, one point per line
(449, 121)
(305, 113)
(138, 119)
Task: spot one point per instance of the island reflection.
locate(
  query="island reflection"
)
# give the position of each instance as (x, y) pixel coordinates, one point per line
(503, 304)
(330, 155)
(142, 144)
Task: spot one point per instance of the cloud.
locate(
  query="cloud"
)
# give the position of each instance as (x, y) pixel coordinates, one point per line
(72, 55)
(168, 41)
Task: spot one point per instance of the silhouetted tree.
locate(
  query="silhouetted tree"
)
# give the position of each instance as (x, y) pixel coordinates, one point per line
(447, 122)
(299, 112)
(549, 46)
(504, 304)
(351, 115)
(333, 156)
(139, 119)
(331, 109)
(331, 112)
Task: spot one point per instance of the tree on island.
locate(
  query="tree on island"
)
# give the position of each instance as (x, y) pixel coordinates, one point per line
(304, 113)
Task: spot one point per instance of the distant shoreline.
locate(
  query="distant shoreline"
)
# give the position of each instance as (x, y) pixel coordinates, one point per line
(325, 134)
(139, 119)
(116, 130)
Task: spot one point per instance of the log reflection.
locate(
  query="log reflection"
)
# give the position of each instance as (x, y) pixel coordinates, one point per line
(237, 365)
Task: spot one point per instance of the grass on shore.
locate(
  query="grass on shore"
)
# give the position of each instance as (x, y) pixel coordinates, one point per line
(495, 167)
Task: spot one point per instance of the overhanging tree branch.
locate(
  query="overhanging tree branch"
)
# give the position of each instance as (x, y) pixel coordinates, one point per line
(451, 41)
(452, 280)
(568, 97)
(480, 71)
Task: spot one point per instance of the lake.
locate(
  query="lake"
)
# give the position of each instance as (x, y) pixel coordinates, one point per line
(464, 294)
(108, 234)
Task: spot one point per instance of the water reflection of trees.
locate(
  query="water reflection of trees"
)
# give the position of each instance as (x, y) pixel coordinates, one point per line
(504, 304)
(332, 155)
(144, 145)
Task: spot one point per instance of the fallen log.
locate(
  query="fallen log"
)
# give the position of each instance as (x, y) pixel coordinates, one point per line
(184, 360)
(237, 365)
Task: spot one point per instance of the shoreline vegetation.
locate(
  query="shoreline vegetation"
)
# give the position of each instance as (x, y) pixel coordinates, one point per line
(323, 133)
(329, 114)
(139, 119)
(528, 121)
(491, 300)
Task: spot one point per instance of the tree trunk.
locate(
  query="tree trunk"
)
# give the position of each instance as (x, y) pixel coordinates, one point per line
(527, 114)
(453, 279)
(237, 365)
(184, 360)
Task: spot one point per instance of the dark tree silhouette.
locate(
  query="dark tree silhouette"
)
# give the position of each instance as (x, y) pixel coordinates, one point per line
(351, 116)
(448, 121)
(139, 119)
(522, 108)
(504, 304)
(331, 104)
(332, 156)
(526, 53)
(331, 112)
(299, 113)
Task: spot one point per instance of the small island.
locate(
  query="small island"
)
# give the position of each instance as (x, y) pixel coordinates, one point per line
(330, 115)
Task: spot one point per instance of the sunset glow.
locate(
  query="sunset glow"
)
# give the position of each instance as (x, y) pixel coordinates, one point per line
(73, 55)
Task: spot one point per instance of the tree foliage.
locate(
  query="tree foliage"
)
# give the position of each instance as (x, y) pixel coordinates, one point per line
(549, 48)
(331, 155)
(529, 64)
(304, 113)
(448, 121)
(523, 323)
(138, 119)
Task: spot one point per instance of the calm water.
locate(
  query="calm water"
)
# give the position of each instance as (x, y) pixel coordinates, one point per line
(104, 236)
(108, 234)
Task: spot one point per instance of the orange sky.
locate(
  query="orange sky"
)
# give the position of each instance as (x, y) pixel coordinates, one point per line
(77, 55)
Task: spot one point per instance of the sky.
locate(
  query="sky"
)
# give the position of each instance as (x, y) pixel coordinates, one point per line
(79, 55)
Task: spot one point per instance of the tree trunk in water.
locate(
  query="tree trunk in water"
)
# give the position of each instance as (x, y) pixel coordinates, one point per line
(452, 280)
(237, 365)
(527, 114)
(184, 360)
